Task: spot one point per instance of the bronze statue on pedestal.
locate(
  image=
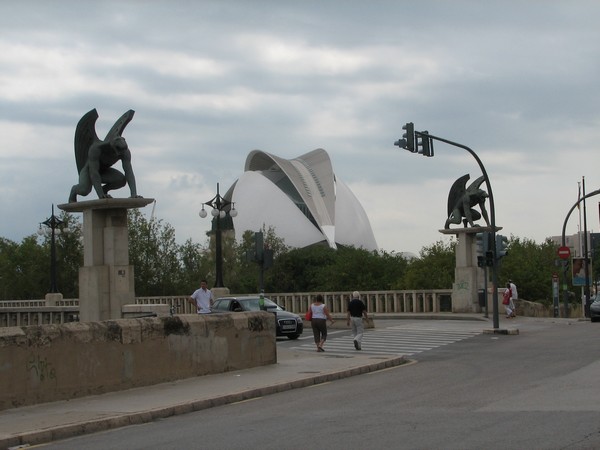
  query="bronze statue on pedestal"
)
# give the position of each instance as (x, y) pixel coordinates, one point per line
(95, 158)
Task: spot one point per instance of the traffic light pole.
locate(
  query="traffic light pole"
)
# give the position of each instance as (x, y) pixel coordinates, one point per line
(564, 240)
(426, 135)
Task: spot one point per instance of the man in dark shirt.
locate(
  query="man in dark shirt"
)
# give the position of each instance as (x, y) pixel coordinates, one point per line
(356, 311)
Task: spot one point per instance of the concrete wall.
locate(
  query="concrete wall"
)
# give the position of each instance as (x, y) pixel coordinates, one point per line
(58, 362)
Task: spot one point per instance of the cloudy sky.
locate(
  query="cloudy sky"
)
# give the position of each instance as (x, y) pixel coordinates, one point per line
(516, 81)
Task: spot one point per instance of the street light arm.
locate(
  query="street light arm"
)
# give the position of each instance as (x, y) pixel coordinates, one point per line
(591, 194)
(481, 167)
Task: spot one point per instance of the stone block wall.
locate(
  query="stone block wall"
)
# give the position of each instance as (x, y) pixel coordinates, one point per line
(58, 362)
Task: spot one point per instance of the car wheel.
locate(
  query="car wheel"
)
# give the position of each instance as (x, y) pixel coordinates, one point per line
(293, 336)
(594, 319)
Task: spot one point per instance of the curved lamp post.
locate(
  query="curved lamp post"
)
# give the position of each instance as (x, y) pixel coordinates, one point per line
(52, 229)
(220, 209)
(565, 262)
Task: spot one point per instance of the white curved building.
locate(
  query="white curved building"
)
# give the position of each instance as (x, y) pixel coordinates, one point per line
(301, 199)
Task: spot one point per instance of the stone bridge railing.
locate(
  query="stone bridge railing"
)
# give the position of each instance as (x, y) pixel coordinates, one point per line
(422, 301)
(38, 312)
(425, 301)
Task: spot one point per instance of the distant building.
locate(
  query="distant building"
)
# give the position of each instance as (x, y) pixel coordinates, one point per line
(576, 243)
(301, 199)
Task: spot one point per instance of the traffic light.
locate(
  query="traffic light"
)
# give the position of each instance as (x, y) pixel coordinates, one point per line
(501, 246)
(489, 258)
(483, 248)
(409, 137)
(256, 254)
(425, 144)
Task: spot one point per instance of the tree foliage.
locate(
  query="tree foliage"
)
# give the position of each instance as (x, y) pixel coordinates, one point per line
(162, 267)
(434, 269)
(530, 266)
(25, 266)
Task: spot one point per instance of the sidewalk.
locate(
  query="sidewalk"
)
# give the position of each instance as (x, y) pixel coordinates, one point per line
(47, 422)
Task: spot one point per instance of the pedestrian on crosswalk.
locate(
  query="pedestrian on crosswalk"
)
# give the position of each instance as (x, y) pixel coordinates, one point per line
(356, 311)
(320, 314)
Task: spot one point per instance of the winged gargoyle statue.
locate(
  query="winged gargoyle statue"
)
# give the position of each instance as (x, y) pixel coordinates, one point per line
(95, 158)
(461, 200)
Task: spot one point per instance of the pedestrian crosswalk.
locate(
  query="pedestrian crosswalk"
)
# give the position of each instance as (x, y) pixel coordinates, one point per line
(403, 340)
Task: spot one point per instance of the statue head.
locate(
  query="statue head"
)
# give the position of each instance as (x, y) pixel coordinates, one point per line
(119, 144)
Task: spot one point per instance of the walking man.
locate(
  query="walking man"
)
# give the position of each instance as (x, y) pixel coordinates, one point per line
(356, 311)
(514, 296)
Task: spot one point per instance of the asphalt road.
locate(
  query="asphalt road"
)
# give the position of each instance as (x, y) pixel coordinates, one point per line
(535, 390)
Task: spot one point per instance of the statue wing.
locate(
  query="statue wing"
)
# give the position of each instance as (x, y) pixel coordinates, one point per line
(119, 126)
(85, 136)
(474, 186)
(457, 191)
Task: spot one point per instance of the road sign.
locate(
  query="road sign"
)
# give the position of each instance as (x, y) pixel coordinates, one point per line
(564, 252)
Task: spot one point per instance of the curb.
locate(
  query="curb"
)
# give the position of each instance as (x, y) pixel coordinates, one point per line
(93, 426)
(512, 331)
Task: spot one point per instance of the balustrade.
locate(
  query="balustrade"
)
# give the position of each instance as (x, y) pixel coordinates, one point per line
(35, 312)
(383, 302)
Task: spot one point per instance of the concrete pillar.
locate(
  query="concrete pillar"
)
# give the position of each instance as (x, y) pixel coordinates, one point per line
(218, 292)
(468, 276)
(53, 299)
(106, 280)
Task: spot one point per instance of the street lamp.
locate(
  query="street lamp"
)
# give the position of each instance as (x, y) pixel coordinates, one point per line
(52, 229)
(427, 150)
(220, 209)
(565, 262)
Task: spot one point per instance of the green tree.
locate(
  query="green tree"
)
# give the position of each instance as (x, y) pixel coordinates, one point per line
(434, 269)
(530, 266)
(25, 269)
(164, 268)
(193, 266)
(8, 273)
(320, 268)
(246, 273)
(302, 269)
(154, 254)
(69, 256)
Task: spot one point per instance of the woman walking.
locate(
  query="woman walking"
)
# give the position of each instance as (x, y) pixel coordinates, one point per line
(320, 314)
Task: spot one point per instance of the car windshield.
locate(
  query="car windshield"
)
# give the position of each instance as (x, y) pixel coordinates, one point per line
(251, 304)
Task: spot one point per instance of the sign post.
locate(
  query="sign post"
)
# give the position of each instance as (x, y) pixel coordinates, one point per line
(555, 295)
(564, 253)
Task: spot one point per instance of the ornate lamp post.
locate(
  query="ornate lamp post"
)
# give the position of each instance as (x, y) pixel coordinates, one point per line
(220, 209)
(52, 229)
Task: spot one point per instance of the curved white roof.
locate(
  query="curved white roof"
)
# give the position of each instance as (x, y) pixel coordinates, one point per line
(301, 199)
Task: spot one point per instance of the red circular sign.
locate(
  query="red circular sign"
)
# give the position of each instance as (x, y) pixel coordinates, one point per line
(564, 252)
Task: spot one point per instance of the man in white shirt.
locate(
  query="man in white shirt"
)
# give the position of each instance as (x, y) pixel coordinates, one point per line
(514, 295)
(202, 298)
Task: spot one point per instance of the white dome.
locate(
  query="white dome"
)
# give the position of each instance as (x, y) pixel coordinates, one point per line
(301, 199)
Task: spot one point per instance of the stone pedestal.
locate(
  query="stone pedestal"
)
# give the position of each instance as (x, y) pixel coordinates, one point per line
(106, 281)
(468, 277)
(53, 299)
(219, 292)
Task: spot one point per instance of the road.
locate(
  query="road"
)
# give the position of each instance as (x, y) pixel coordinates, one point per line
(535, 390)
